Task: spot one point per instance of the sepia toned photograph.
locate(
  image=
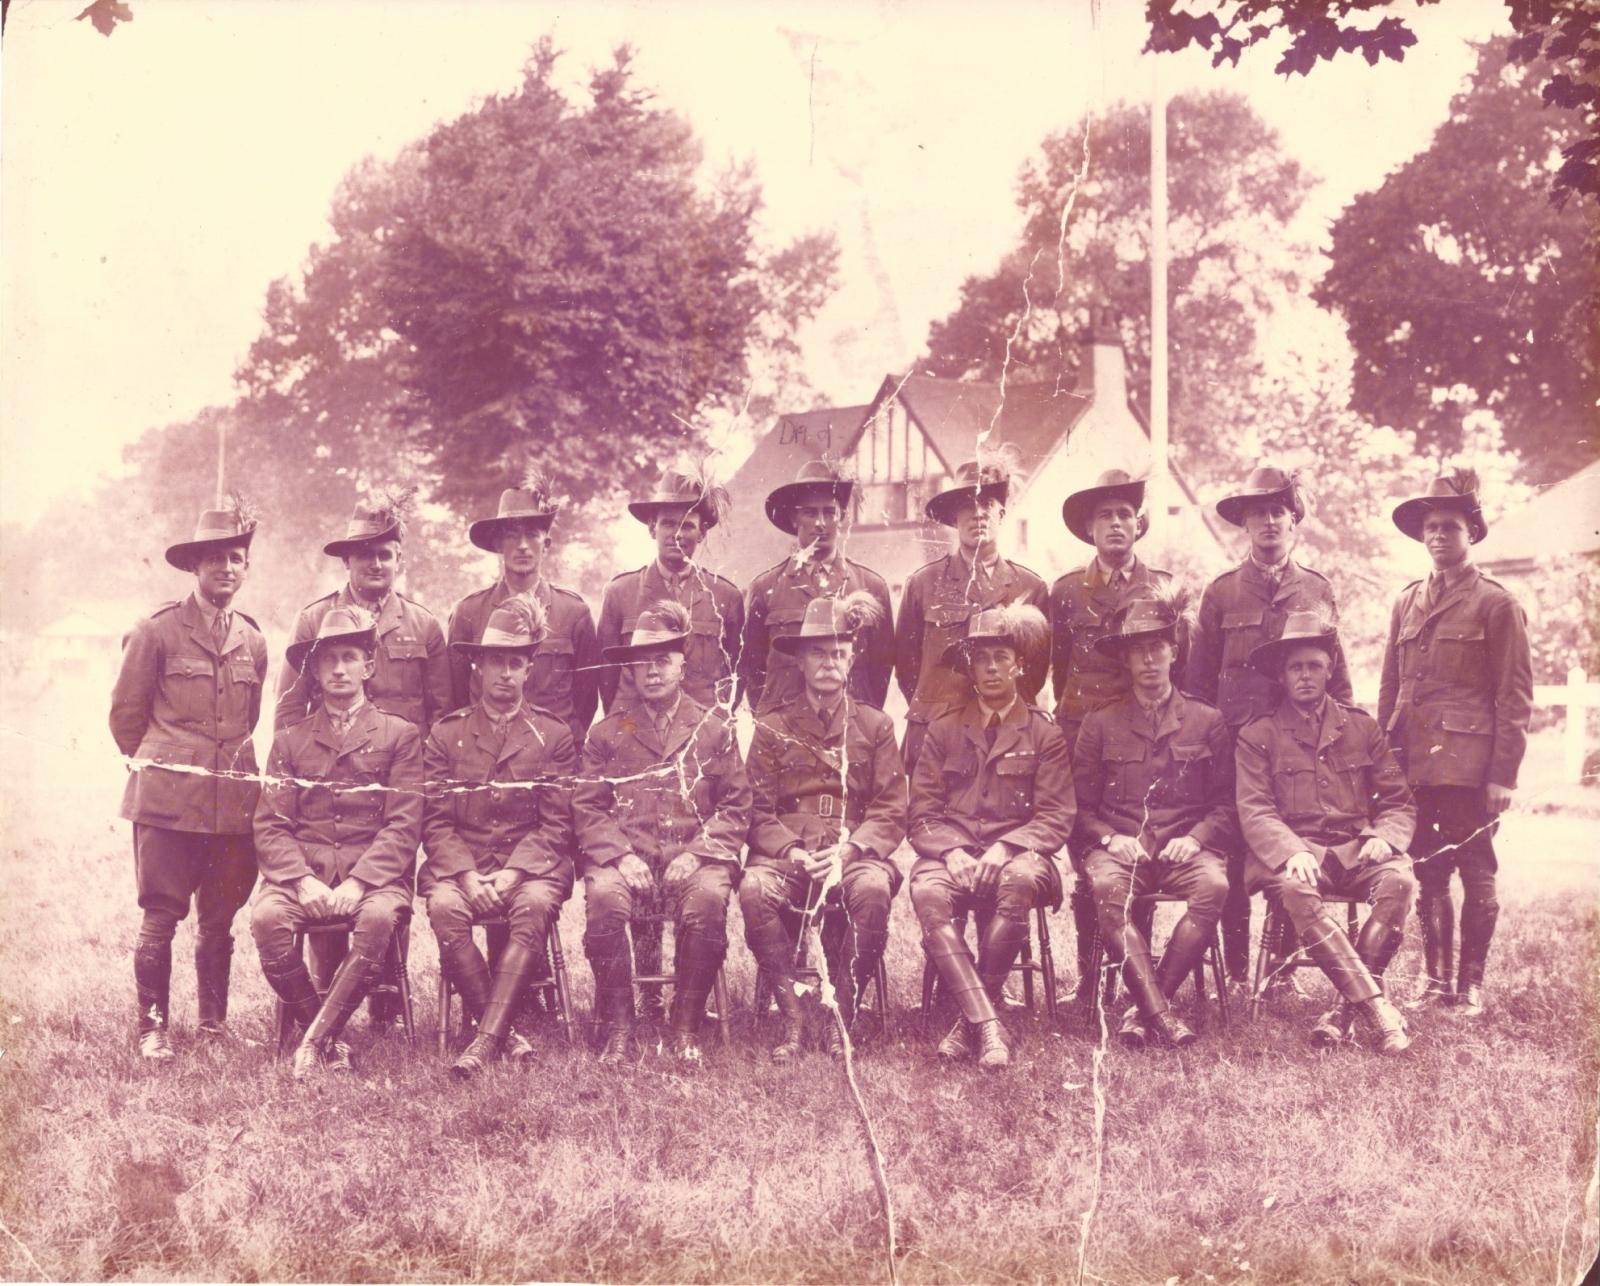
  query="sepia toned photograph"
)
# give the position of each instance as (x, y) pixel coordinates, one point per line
(792, 642)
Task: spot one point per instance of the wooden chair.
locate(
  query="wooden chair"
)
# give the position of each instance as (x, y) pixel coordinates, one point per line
(554, 984)
(1027, 964)
(1100, 967)
(1274, 925)
(396, 955)
(719, 986)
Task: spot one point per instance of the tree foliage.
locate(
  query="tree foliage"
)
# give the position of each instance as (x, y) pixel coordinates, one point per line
(1231, 194)
(1460, 294)
(1561, 37)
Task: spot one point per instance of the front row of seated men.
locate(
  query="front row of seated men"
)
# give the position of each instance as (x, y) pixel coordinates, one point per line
(661, 806)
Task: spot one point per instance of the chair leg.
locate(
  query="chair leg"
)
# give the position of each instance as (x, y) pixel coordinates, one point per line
(1047, 964)
(1025, 963)
(719, 989)
(929, 976)
(880, 981)
(402, 980)
(283, 1025)
(1217, 976)
(558, 972)
(1095, 959)
(443, 1009)
(1263, 948)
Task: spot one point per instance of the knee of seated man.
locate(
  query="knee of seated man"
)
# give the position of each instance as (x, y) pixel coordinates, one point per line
(759, 884)
(868, 890)
(703, 912)
(269, 918)
(447, 910)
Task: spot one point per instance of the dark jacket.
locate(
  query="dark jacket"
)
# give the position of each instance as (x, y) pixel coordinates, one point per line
(411, 675)
(1307, 786)
(1457, 686)
(1156, 783)
(776, 604)
(564, 678)
(938, 600)
(1238, 611)
(179, 701)
(658, 799)
(968, 794)
(335, 807)
(801, 796)
(716, 622)
(1081, 607)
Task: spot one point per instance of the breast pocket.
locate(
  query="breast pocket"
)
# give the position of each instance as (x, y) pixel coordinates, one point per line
(1014, 778)
(550, 676)
(1294, 784)
(1241, 631)
(1126, 774)
(1462, 653)
(1190, 778)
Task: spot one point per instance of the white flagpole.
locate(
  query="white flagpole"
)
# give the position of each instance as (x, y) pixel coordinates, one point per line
(1156, 492)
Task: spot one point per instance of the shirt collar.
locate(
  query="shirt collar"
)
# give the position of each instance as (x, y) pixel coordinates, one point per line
(343, 719)
(500, 722)
(1100, 574)
(1451, 577)
(1155, 708)
(1270, 569)
(209, 611)
(671, 577)
(1005, 714)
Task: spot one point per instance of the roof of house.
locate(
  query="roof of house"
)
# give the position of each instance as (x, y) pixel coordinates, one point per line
(1033, 417)
(1564, 519)
(793, 439)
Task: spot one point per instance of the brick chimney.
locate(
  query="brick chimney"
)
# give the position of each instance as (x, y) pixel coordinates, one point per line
(1103, 372)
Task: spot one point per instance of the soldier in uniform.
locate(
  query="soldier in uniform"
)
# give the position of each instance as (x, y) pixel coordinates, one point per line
(563, 677)
(1325, 810)
(1456, 696)
(188, 695)
(991, 803)
(814, 509)
(1110, 516)
(336, 832)
(671, 810)
(411, 670)
(942, 596)
(829, 810)
(1154, 776)
(492, 845)
(679, 513)
(1240, 610)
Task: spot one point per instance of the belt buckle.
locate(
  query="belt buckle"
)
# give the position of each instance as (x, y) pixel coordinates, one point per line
(825, 806)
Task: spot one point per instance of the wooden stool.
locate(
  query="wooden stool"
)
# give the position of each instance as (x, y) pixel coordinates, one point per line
(1273, 927)
(1212, 956)
(554, 984)
(880, 986)
(395, 956)
(719, 985)
(1044, 966)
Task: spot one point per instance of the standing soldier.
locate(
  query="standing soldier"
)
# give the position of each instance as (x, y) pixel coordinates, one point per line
(991, 803)
(411, 670)
(562, 679)
(1110, 516)
(814, 509)
(1154, 774)
(1239, 611)
(336, 832)
(1456, 696)
(188, 695)
(497, 829)
(671, 813)
(679, 513)
(829, 811)
(1325, 810)
(942, 596)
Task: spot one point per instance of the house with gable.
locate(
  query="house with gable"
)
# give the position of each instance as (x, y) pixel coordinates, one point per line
(907, 442)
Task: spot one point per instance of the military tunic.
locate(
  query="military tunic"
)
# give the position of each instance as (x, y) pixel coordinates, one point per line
(564, 676)
(938, 600)
(716, 625)
(411, 672)
(776, 607)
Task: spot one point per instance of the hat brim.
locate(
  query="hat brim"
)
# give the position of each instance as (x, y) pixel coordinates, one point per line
(185, 553)
(487, 532)
(470, 650)
(783, 499)
(790, 644)
(1409, 515)
(623, 653)
(955, 654)
(646, 511)
(1268, 657)
(1077, 510)
(345, 547)
(1231, 509)
(1115, 644)
(942, 508)
(299, 654)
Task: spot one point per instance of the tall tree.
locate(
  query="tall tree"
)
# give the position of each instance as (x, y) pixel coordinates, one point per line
(1461, 291)
(1232, 193)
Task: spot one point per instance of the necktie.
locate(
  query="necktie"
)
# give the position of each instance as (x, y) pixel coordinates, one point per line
(1435, 591)
(663, 726)
(991, 730)
(219, 630)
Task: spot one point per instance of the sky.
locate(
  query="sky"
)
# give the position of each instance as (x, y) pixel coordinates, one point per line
(153, 183)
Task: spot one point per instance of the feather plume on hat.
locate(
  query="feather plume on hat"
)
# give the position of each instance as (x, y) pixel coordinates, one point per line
(1461, 479)
(860, 610)
(1177, 599)
(1027, 628)
(393, 506)
(672, 615)
(528, 610)
(1298, 480)
(1002, 463)
(242, 510)
(537, 481)
(713, 495)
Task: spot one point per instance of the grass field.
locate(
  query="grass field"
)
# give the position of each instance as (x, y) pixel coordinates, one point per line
(1251, 1158)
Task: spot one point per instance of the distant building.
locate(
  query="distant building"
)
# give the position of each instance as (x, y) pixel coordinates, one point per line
(907, 442)
(1565, 519)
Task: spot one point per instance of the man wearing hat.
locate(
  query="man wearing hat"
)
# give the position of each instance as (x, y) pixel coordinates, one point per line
(991, 803)
(664, 828)
(563, 677)
(336, 833)
(1325, 810)
(411, 670)
(1154, 778)
(1110, 516)
(679, 513)
(494, 845)
(829, 811)
(942, 596)
(186, 700)
(1240, 610)
(1456, 695)
(814, 509)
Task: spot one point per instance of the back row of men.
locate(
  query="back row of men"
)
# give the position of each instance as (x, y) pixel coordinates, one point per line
(1209, 762)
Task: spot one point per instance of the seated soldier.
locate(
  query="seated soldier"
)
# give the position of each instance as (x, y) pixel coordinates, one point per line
(336, 832)
(494, 847)
(991, 803)
(829, 810)
(1325, 809)
(664, 825)
(1154, 777)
